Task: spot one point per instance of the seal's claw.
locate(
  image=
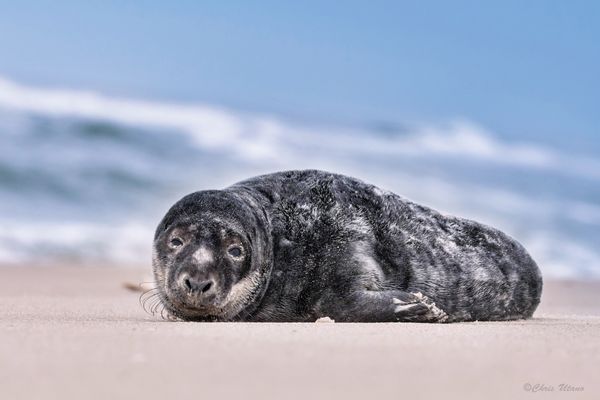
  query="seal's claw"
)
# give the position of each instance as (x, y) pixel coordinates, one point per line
(419, 309)
(418, 295)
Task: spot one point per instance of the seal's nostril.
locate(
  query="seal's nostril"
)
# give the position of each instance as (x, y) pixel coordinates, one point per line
(206, 287)
(194, 286)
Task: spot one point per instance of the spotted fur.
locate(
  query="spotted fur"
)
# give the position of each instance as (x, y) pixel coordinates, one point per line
(331, 245)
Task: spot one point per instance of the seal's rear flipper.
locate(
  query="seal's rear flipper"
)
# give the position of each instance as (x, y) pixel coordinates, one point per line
(418, 309)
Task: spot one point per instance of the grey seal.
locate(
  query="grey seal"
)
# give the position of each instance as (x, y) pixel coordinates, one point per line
(302, 245)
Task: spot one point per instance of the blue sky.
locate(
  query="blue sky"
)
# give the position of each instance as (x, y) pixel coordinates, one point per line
(528, 70)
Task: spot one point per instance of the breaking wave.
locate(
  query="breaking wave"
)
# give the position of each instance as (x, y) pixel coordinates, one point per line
(85, 176)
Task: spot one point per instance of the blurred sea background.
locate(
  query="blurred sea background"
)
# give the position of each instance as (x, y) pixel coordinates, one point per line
(102, 131)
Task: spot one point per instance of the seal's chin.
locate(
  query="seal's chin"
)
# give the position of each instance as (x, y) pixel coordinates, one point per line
(190, 309)
(194, 313)
(197, 315)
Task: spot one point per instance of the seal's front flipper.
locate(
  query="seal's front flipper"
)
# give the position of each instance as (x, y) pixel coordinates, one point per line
(417, 308)
(387, 306)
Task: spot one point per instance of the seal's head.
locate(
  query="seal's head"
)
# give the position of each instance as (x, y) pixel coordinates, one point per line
(212, 256)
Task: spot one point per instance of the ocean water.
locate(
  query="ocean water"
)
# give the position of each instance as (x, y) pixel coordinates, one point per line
(86, 177)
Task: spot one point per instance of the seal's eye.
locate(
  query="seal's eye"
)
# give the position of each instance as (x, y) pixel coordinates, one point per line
(176, 242)
(235, 251)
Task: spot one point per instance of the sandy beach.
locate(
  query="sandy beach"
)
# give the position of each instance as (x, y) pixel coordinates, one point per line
(77, 333)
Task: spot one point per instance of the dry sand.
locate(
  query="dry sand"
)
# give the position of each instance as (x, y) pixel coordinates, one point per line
(76, 333)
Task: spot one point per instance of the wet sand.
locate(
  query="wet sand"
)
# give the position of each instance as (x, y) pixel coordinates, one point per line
(77, 333)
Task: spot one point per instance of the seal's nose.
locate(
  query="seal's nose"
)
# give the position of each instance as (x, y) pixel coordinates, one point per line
(197, 285)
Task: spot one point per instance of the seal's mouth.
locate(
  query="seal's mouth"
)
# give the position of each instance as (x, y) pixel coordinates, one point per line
(170, 307)
(176, 310)
(189, 306)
